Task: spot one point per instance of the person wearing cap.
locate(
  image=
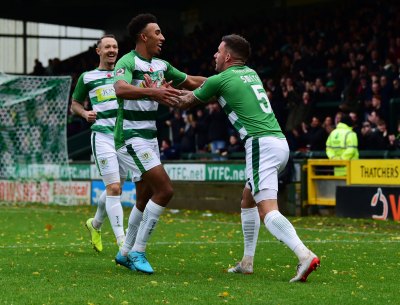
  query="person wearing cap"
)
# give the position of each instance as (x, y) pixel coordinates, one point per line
(342, 144)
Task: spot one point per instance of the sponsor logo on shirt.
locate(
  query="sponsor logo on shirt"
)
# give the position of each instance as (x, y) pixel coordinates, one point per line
(105, 93)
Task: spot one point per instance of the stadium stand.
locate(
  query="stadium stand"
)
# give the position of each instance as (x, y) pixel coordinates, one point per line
(318, 60)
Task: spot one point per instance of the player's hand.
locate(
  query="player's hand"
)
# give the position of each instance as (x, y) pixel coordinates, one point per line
(166, 96)
(90, 116)
(148, 82)
(166, 84)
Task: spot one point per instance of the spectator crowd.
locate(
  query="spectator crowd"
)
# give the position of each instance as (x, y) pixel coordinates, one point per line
(316, 63)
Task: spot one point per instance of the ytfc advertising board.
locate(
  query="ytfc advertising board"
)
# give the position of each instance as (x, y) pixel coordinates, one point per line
(368, 202)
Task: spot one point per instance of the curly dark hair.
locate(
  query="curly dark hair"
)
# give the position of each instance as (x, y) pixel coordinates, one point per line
(138, 23)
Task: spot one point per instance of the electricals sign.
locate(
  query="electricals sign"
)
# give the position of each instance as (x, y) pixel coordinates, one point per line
(375, 172)
(368, 202)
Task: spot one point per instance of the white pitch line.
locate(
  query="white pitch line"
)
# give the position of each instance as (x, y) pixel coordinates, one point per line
(177, 243)
(17, 210)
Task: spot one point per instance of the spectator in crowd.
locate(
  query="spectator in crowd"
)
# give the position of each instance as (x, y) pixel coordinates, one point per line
(314, 135)
(338, 117)
(218, 129)
(300, 109)
(394, 139)
(38, 69)
(368, 137)
(382, 139)
(374, 63)
(350, 100)
(364, 92)
(334, 74)
(188, 141)
(163, 122)
(168, 151)
(386, 92)
(396, 88)
(373, 117)
(328, 124)
(177, 125)
(317, 90)
(201, 130)
(275, 97)
(235, 146)
(332, 92)
(355, 122)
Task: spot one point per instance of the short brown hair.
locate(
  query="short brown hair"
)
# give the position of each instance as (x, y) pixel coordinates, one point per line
(238, 45)
(102, 37)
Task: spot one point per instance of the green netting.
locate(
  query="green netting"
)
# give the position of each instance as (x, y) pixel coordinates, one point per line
(33, 128)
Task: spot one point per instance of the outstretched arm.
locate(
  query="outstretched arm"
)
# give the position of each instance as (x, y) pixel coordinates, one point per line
(187, 100)
(193, 82)
(162, 95)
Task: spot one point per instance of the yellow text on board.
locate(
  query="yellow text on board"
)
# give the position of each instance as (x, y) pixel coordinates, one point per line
(375, 172)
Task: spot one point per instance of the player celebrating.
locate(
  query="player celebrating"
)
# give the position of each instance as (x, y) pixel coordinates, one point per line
(136, 133)
(241, 94)
(98, 84)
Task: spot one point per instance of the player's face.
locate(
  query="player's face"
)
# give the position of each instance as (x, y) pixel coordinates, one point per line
(154, 39)
(219, 57)
(108, 51)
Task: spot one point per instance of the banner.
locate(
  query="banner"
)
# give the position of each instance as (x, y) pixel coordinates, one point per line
(206, 172)
(128, 196)
(368, 202)
(375, 172)
(59, 192)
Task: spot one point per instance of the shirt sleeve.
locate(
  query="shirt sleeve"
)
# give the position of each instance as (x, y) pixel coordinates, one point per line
(208, 89)
(80, 92)
(174, 74)
(123, 71)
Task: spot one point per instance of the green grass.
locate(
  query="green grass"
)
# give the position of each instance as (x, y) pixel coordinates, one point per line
(46, 258)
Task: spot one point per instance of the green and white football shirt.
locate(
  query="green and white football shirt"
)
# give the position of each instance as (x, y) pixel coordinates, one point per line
(241, 94)
(137, 118)
(99, 85)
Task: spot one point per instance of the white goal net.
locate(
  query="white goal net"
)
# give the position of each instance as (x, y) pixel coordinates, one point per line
(33, 138)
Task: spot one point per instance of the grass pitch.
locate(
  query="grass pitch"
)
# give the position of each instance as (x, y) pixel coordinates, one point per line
(46, 258)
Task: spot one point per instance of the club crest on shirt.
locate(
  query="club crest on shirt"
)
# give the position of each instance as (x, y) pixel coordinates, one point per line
(103, 163)
(146, 156)
(120, 71)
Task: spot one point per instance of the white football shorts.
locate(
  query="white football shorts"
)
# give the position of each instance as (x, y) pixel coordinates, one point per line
(266, 157)
(138, 156)
(106, 159)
